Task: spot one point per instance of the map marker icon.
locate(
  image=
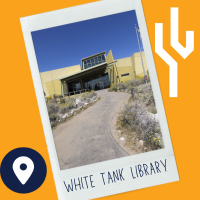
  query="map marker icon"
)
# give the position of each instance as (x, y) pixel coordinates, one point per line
(23, 168)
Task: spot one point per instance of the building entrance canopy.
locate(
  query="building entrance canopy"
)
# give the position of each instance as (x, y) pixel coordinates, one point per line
(90, 78)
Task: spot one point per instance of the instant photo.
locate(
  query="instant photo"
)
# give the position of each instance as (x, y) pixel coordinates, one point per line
(99, 99)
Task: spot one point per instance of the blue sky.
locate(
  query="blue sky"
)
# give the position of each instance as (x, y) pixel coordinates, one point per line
(66, 45)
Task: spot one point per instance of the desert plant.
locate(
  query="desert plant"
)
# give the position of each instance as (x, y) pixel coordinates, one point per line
(84, 96)
(53, 124)
(52, 101)
(136, 116)
(88, 95)
(52, 108)
(121, 86)
(53, 116)
(70, 102)
(63, 108)
(92, 94)
(62, 101)
(113, 88)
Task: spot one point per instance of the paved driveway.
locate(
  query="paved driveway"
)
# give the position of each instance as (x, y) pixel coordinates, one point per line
(87, 139)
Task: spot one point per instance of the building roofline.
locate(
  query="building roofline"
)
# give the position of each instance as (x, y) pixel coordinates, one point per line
(82, 71)
(93, 56)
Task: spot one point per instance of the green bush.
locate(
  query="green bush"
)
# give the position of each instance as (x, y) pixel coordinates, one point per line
(147, 129)
(53, 116)
(63, 109)
(92, 94)
(52, 108)
(87, 95)
(53, 124)
(52, 101)
(70, 102)
(84, 96)
(113, 88)
(62, 101)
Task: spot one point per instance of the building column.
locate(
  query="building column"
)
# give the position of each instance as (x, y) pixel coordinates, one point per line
(62, 91)
(65, 87)
(82, 83)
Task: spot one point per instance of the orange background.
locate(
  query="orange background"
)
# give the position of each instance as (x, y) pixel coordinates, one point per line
(20, 119)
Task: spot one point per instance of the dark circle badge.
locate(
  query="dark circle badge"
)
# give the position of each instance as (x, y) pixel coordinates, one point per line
(23, 170)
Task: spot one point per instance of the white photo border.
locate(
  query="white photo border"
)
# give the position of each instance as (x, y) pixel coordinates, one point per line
(76, 14)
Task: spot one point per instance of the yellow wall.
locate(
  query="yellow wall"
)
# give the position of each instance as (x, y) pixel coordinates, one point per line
(112, 71)
(124, 70)
(138, 64)
(131, 65)
(109, 57)
(73, 69)
(124, 66)
(50, 79)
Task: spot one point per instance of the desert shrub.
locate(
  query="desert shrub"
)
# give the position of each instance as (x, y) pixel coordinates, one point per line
(113, 88)
(135, 82)
(53, 116)
(136, 116)
(122, 86)
(62, 101)
(58, 96)
(84, 96)
(148, 98)
(87, 95)
(52, 101)
(152, 109)
(92, 94)
(70, 102)
(53, 124)
(63, 109)
(52, 108)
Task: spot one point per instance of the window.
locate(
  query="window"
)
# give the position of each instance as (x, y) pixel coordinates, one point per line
(124, 74)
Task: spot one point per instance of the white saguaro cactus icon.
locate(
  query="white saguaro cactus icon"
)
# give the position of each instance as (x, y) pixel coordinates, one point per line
(184, 52)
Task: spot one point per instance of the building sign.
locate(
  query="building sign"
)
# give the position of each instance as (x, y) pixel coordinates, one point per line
(94, 61)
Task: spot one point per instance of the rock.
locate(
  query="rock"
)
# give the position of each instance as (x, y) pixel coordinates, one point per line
(85, 103)
(72, 111)
(64, 116)
(122, 138)
(141, 143)
(145, 149)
